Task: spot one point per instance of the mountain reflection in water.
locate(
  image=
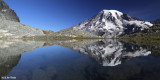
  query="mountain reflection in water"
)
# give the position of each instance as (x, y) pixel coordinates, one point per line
(112, 52)
(98, 60)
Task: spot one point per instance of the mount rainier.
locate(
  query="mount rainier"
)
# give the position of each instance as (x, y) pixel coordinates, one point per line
(112, 23)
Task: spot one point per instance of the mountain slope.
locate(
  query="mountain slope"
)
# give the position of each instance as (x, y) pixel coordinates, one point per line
(145, 35)
(112, 23)
(74, 33)
(6, 13)
(156, 21)
(10, 27)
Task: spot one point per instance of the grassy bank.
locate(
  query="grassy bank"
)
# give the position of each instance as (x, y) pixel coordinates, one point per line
(60, 37)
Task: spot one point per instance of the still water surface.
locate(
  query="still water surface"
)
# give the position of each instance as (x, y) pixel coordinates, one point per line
(78, 60)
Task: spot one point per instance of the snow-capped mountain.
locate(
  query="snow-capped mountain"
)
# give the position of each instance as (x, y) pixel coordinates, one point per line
(112, 23)
(112, 52)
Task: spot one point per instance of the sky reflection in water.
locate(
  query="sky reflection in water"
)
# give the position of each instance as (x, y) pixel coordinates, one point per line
(77, 60)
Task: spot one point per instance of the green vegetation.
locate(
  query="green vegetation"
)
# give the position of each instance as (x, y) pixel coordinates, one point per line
(50, 38)
(66, 34)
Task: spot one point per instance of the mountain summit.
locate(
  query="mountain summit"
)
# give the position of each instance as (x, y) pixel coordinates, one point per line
(112, 23)
(7, 13)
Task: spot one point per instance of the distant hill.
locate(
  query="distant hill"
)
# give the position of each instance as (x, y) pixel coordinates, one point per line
(74, 33)
(156, 21)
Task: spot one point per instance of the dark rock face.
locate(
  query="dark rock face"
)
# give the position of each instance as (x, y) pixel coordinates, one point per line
(6, 13)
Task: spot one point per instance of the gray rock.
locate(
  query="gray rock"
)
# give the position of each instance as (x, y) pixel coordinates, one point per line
(11, 29)
(6, 13)
(10, 26)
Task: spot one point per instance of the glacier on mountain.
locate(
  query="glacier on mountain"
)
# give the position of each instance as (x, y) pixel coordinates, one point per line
(112, 23)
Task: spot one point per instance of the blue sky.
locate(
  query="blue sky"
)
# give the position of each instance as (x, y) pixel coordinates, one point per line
(61, 14)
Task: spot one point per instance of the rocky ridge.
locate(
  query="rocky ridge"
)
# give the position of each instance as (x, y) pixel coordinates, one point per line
(10, 26)
(6, 13)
